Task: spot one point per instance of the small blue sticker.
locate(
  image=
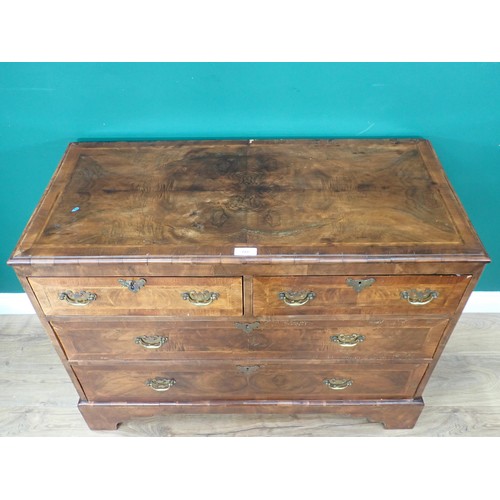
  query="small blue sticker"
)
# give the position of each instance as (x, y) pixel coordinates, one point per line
(75, 209)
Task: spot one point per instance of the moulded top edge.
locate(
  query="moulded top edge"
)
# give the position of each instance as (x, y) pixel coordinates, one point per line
(259, 259)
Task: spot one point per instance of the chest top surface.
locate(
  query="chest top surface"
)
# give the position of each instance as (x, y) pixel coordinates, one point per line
(364, 198)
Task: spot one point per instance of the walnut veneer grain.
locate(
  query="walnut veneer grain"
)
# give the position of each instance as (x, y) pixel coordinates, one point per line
(38, 399)
(249, 256)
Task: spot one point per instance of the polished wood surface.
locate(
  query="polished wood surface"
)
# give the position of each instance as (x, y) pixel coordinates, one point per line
(312, 240)
(393, 414)
(403, 338)
(159, 296)
(37, 397)
(248, 380)
(204, 198)
(333, 295)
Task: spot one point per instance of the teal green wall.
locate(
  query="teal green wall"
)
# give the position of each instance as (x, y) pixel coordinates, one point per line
(43, 106)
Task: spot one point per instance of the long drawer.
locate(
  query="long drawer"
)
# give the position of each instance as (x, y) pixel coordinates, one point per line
(157, 339)
(247, 379)
(331, 295)
(113, 296)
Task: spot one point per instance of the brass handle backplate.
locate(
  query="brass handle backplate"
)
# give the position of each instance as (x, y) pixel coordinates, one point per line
(204, 298)
(348, 340)
(419, 298)
(151, 342)
(161, 384)
(338, 384)
(292, 298)
(81, 298)
(133, 285)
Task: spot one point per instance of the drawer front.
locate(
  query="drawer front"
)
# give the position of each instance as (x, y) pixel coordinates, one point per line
(406, 295)
(111, 296)
(136, 339)
(245, 379)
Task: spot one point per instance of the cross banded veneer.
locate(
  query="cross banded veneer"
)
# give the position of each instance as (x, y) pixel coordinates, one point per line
(290, 276)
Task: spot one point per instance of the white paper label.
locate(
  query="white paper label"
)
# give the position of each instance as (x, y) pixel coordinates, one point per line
(245, 251)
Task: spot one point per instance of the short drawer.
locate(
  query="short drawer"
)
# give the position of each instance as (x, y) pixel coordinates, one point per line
(138, 339)
(407, 295)
(112, 296)
(247, 380)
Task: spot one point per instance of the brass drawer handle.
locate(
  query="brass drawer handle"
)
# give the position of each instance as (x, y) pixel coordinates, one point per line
(348, 340)
(419, 298)
(133, 285)
(161, 384)
(204, 298)
(151, 342)
(81, 298)
(338, 384)
(300, 298)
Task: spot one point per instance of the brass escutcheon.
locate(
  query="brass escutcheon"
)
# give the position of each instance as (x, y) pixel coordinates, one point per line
(133, 285)
(248, 369)
(359, 285)
(247, 327)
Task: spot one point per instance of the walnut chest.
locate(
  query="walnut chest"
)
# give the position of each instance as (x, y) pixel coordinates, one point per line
(249, 276)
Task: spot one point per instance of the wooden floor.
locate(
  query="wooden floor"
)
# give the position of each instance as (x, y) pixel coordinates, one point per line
(462, 397)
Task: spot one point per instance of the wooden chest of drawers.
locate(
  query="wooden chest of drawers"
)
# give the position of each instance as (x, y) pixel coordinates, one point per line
(249, 276)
